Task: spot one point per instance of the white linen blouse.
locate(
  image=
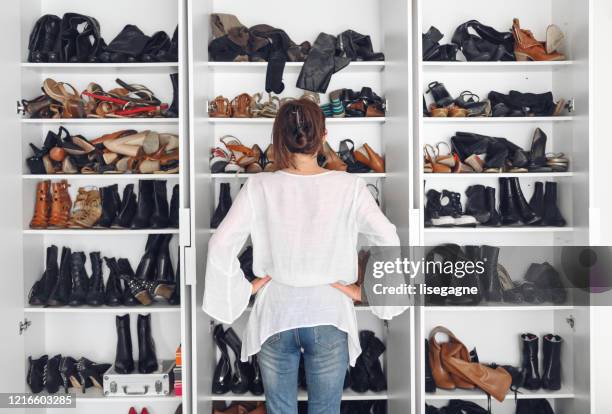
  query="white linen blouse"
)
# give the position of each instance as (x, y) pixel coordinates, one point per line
(304, 230)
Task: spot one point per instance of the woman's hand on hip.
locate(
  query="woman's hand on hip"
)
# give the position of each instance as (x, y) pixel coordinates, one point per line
(258, 283)
(353, 291)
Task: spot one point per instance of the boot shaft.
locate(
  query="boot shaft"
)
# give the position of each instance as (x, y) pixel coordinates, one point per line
(124, 362)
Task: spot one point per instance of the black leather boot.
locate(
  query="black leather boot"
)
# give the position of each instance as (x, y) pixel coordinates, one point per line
(113, 294)
(175, 299)
(552, 214)
(147, 359)
(159, 218)
(256, 387)
(492, 288)
(80, 280)
(472, 254)
(477, 204)
(61, 290)
(39, 294)
(36, 369)
(551, 377)
(173, 110)
(95, 295)
(128, 208)
(90, 373)
(530, 367)
(124, 268)
(174, 208)
(370, 358)
(537, 200)
(494, 216)
(144, 210)
(242, 376)
(430, 384)
(222, 377)
(225, 203)
(497, 155)
(68, 372)
(507, 204)
(164, 273)
(547, 282)
(43, 39)
(146, 269)
(111, 204)
(124, 361)
(467, 144)
(52, 377)
(527, 215)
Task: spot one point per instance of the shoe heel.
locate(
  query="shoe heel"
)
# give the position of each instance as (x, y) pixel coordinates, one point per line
(522, 57)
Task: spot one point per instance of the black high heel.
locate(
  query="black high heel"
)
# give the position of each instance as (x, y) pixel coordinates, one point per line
(69, 373)
(222, 377)
(537, 155)
(91, 373)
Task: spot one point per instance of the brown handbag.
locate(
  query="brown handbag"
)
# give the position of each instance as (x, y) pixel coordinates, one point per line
(442, 376)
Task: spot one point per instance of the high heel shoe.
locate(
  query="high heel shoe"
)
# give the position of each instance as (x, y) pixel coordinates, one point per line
(40, 219)
(69, 373)
(347, 155)
(431, 159)
(331, 160)
(368, 157)
(60, 205)
(91, 373)
(537, 155)
(222, 377)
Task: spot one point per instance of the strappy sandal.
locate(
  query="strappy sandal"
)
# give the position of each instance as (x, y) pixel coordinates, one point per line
(558, 162)
(220, 108)
(244, 155)
(313, 96)
(256, 166)
(241, 106)
(431, 157)
(72, 105)
(270, 109)
(436, 112)
(448, 159)
(142, 94)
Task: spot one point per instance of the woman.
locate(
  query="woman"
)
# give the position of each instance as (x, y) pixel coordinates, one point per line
(304, 222)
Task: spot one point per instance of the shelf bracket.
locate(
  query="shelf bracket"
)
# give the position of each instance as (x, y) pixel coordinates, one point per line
(24, 325)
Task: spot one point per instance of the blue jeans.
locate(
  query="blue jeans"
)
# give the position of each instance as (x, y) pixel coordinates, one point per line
(325, 361)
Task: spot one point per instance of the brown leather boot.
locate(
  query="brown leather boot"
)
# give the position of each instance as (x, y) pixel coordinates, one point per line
(441, 377)
(367, 156)
(526, 47)
(332, 160)
(41, 209)
(87, 209)
(60, 205)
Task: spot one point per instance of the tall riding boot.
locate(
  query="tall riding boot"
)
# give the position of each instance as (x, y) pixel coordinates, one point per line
(124, 362)
(537, 200)
(225, 203)
(111, 204)
(124, 268)
(40, 219)
(113, 294)
(551, 378)
(127, 210)
(494, 216)
(142, 219)
(241, 379)
(95, 295)
(531, 373)
(492, 289)
(165, 273)
(146, 268)
(174, 208)
(527, 215)
(222, 377)
(552, 215)
(147, 359)
(370, 357)
(159, 218)
(60, 294)
(507, 204)
(39, 294)
(175, 299)
(80, 280)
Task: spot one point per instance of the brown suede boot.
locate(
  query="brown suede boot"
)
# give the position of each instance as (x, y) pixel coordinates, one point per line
(60, 205)
(41, 209)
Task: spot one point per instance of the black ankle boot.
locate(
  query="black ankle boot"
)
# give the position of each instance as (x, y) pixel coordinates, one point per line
(507, 204)
(440, 95)
(222, 377)
(36, 369)
(144, 210)
(241, 378)
(80, 280)
(527, 215)
(95, 295)
(146, 269)
(61, 291)
(124, 268)
(174, 208)
(547, 282)
(159, 218)
(175, 299)
(552, 215)
(164, 273)
(68, 372)
(530, 368)
(537, 200)
(551, 378)
(256, 387)
(492, 287)
(113, 294)
(173, 110)
(430, 384)
(124, 361)
(476, 205)
(52, 377)
(111, 203)
(128, 208)
(494, 216)
(374, 348)
(225, 202)
(147, 359)
(39, 294)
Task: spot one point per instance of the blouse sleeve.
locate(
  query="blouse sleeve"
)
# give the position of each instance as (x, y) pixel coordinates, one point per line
(226, 290)
(378, 231)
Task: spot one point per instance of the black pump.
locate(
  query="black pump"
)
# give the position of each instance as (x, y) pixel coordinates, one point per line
(39, 294)
(147, 359)
(222, 377)
(530, 367)
(80, 280)
(124, 361)
(537, 155)
(95, 295)
(61, 291)
(242, 376)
